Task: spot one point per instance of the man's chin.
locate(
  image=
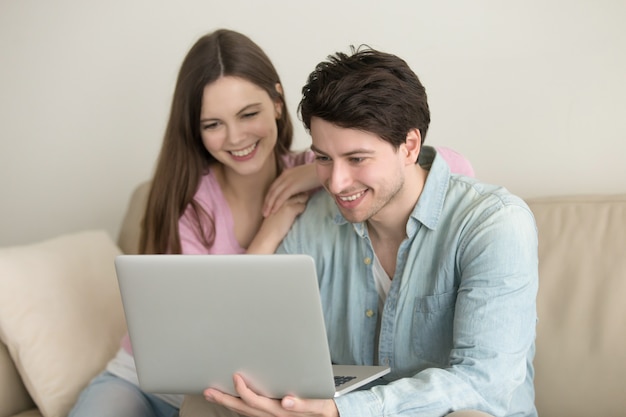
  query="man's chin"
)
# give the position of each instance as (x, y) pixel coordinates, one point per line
(351, 216)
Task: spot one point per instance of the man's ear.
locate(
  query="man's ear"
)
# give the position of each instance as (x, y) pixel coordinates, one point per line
(412, 146)
(278, 104)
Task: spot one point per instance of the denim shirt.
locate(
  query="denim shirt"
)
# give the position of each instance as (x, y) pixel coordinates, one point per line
(458, 325)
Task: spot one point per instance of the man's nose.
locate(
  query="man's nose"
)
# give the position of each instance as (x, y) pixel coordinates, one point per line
(339, 179)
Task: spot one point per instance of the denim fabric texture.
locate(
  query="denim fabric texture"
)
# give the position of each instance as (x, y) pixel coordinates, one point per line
(458, 325)
(110, 396)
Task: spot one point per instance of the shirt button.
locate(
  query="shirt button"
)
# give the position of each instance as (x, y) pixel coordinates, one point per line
(367, 261)
(369, 313)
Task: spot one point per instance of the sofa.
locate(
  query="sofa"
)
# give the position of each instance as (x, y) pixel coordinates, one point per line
(61, 317)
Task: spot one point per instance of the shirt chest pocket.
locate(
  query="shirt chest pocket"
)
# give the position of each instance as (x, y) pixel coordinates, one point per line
(431, 328)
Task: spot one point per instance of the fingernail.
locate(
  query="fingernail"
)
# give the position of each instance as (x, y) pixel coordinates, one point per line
(288, 403)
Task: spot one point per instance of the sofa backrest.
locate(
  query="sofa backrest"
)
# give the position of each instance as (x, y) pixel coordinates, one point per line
(128, 239)
(581, 333)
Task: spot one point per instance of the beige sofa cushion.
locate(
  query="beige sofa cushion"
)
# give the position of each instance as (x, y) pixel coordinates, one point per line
(60, 314)
(13, 395)
(581, 333)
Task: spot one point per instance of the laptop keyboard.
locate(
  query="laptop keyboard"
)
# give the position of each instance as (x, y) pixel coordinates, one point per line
(339, 380)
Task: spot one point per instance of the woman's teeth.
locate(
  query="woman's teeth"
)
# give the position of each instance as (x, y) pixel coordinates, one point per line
(245, 151)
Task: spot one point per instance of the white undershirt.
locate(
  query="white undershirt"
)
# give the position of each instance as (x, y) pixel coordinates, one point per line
(383, 283)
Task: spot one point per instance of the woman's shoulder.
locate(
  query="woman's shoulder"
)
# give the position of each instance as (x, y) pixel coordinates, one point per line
(292, 159)
(457, 162)
(208, 191)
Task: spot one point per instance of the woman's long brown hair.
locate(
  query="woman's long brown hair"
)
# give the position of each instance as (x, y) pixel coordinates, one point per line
(183, 158)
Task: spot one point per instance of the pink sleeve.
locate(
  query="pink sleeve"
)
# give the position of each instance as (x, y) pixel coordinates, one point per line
(126, 344)
(457, 162)
(309, 157)
(297, 159)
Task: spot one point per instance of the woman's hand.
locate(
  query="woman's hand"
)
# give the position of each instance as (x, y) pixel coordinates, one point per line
(276, 225)
(290, 182)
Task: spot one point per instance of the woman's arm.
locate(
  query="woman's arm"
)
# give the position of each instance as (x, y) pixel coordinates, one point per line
(276, 225)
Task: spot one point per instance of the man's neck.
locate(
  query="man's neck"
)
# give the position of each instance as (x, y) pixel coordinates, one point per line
(387, 229)
(390, 222)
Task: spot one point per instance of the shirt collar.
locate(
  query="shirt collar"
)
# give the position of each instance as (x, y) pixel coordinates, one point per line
(430, 203)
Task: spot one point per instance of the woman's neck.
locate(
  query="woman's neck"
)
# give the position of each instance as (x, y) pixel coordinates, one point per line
(246, 188)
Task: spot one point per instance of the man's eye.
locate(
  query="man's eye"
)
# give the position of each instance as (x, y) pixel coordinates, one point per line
(356, 160)
(320, 158)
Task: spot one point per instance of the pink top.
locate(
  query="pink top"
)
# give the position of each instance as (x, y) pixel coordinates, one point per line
(212, 200)
(458, 163)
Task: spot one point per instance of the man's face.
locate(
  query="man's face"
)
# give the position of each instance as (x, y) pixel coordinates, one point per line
(364, 173)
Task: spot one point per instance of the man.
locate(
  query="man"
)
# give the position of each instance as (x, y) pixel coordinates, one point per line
(430, 273)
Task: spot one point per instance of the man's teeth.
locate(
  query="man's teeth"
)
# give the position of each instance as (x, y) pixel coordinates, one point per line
(352, 197)
(245, 151)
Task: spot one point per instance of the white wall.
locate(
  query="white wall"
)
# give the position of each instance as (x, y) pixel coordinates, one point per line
(533, 92)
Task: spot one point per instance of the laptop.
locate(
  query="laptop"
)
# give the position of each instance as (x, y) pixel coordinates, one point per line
(195, 320)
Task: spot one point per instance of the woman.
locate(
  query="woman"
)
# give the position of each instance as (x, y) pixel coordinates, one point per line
(225, 182)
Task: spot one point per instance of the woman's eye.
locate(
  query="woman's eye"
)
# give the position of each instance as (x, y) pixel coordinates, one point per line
(252, 114)
(209, 126)
(320, 158)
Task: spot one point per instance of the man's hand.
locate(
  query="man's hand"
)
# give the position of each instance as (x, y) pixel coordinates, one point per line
(251, 404)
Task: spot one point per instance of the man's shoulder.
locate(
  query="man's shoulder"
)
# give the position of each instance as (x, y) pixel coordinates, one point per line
(320, 206)
(472, 195)
(317, 224)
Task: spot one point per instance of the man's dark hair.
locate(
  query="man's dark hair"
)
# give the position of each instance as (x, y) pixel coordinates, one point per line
(368, 90)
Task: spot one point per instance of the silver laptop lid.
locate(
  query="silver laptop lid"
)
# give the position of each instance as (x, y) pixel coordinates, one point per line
(195, 320)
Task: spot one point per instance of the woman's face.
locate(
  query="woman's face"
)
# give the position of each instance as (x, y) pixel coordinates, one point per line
(238, 124)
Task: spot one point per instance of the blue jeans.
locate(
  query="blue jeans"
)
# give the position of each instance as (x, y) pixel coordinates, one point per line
(110, 396)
